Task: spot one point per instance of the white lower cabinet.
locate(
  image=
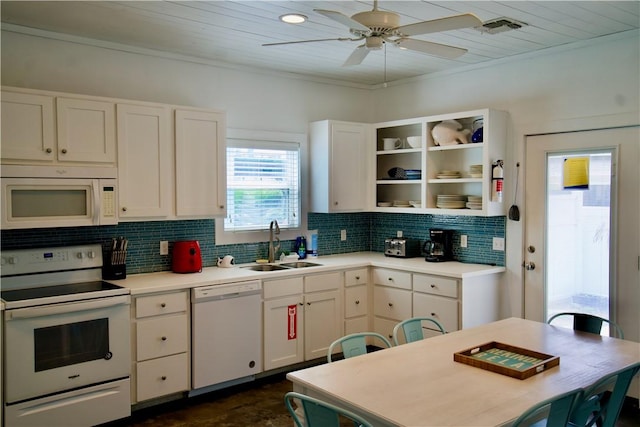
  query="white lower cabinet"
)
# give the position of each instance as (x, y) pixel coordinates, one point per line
(160, 334)
(356, 301)
(302, 317)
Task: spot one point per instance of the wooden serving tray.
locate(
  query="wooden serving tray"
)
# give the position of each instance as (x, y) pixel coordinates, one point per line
(506, 359)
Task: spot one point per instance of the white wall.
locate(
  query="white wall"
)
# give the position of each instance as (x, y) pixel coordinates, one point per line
(582, 86)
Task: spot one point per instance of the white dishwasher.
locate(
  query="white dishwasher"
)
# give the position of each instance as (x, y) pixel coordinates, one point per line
(226, 337)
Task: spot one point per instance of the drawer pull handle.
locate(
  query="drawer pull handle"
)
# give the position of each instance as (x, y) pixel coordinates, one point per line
(163, 378)
(433, 286)
(301, 304)
(357, 301)
(390, 279)
(308, 303)
(163, 305)
(390, 304)
(357, 277)
(63, 151)
(48, 150)
(163, 338)
(434, 315)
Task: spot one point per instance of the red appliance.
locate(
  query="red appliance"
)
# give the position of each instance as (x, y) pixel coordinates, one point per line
(186, 257)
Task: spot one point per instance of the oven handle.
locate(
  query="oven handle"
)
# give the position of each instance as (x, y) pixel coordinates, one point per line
(65, 308)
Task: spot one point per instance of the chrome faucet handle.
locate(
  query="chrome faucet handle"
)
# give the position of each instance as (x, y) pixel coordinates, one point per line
(276, 247)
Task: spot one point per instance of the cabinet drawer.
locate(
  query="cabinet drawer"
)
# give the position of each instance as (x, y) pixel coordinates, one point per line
(323, 282)
(392, 303)
(356, 301)
(355, 277)
(384, 327)
(394, 278)
(444, 310)
(358, 324)
(282, 287)
(162, 336)
(436, 285)
(163, 376)
(154, 305)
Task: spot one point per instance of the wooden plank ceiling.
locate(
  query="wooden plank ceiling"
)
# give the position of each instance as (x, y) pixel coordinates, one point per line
(232, 32)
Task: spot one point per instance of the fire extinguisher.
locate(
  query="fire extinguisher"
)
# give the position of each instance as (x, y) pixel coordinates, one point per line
(497, 180)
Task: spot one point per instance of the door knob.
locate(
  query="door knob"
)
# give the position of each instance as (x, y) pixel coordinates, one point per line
(529, 266)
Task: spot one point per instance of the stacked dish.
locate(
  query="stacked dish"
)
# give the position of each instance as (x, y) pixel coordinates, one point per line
(401, 204)
(451, 201)
(385, 204)
(448, 175)
(475, 202)
(475, 171)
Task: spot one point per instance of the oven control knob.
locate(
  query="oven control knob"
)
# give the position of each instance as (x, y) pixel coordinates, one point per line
(80, 255)
(91, 254)
(108, 356)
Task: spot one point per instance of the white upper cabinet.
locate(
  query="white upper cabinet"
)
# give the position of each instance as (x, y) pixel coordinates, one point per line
(28, 128)
(339, 166)
(144, 161)
(452, 178)
(200, 163)
(86, 131)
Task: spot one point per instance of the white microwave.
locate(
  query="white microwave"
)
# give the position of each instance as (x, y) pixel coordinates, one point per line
(43, 196)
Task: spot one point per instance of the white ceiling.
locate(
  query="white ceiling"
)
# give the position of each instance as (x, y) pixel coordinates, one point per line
(232, 32)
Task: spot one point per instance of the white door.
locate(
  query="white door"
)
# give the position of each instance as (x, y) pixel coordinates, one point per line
(571, 248)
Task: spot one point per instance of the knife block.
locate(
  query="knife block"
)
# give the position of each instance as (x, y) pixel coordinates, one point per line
(115, 267)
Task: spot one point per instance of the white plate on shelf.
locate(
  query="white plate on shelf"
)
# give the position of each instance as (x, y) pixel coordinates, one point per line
(475, 175)
(385, 204)
(451, 205)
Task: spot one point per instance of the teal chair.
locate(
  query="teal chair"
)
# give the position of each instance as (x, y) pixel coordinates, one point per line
(589, 323)
(601, 403)
(553, 412)
(317, 413)
(412, 329)
(355, 344)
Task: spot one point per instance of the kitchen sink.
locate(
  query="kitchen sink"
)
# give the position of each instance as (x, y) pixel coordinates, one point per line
(265, 267)
(300, 264)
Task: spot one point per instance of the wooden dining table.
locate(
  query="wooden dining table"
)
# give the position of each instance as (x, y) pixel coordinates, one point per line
(420, 384)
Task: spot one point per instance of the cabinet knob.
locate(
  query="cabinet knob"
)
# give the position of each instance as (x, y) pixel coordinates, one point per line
(434, 315)
(163, 304)
(221, 206)
(124, 209)
(48, 150)
(357, 301)
(390, 279)
(63, 151)
(390, 304)
(433, 286)
(357, 277)
(163, 338)
(163, 378)
(308, 303)
(335, 203)
(301, 304)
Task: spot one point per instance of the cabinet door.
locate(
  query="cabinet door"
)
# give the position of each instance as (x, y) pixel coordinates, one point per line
(348, 163)
(86, 131)
(283, 332)
(144, 161)
(28, 130)
(323, 322)
(356, 301)
(200, 163)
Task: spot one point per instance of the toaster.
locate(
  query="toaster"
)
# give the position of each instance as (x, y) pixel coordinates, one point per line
(402, 247)
(186, 257)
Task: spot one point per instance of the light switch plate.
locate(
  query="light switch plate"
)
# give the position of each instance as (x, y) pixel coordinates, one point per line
(343, 235)
(498, 244)
(463, 240)
(164, 247)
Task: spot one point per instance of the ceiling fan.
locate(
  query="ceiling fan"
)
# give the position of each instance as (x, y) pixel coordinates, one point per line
(377, 28)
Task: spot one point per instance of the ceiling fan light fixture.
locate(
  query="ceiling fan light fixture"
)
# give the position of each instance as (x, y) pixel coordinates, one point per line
(293, 18)
(374, 42)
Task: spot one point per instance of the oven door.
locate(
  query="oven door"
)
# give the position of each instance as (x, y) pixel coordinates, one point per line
(65, 346)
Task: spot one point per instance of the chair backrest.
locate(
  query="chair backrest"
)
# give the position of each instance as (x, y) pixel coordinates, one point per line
(551, 412)
(317, 413)
(412, 329)
(355, 344)
(589, 323)
(601, 403)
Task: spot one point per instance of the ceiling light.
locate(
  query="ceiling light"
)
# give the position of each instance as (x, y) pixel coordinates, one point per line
(293, 18)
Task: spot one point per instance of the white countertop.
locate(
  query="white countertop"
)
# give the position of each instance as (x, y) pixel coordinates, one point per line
(169, 281)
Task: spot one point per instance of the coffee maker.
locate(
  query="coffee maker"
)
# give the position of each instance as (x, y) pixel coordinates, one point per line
(439, 247)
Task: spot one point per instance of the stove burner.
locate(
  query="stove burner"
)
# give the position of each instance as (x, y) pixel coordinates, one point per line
(57, 290)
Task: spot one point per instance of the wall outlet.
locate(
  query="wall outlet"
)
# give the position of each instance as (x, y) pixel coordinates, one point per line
(463, 240)
(164, 247)
(498, 244)
(343, 235)
(399, 233)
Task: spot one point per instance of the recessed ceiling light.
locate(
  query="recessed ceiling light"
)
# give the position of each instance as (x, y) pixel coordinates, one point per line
(293, 18)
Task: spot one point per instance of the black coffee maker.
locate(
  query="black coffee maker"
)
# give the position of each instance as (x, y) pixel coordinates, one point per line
(439, 247)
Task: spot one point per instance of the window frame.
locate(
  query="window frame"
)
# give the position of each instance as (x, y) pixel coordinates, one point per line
(223, 237)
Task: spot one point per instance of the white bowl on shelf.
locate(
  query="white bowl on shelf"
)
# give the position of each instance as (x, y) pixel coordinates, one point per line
(414, 141)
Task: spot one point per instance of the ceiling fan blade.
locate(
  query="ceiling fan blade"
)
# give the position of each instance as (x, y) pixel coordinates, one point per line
(341, 39)
(343, 19)
(435, 49)
(357, 56)
(442, 24)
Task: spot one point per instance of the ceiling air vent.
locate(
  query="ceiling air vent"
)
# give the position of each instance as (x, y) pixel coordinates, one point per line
(500, 25)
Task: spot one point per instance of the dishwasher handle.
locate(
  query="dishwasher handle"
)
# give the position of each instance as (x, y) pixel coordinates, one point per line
(225, 291)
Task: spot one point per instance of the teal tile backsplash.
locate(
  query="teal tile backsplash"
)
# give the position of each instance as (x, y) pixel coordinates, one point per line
(365, 232)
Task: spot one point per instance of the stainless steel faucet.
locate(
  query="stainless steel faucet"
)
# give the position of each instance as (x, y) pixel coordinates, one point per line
(273, 248)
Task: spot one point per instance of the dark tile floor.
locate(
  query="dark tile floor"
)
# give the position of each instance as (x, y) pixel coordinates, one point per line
(259, 403)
